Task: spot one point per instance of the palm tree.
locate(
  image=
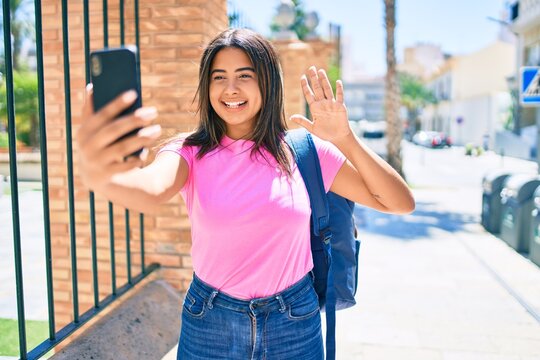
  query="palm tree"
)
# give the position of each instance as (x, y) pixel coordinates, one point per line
(414, 96)
(391, 102)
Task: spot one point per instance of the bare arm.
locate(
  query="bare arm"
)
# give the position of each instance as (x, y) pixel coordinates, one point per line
(365, 178)
(381, 189)
(107, 168)
(145, 189)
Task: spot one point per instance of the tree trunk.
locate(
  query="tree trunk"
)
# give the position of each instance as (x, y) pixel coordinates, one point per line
(392, 103)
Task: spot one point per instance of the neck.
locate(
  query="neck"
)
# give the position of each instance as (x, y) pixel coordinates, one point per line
(239, 134)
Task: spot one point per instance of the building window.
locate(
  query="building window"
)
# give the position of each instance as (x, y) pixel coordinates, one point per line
(532, 54)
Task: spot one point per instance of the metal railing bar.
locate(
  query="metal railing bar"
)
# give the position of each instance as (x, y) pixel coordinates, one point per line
(46, 345)
(69, 151)
(113, 255)
(105, 24)
(122, 24)
(128, 248)
(13, 179)
(128, 244)
(92, 200)
(141, 230)
(44, 169)
(111, 207)
(137, 41)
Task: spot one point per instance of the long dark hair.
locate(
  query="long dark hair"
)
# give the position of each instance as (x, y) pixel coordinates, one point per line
(271, 126)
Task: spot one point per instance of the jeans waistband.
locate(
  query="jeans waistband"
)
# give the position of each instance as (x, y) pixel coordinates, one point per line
(279, 301)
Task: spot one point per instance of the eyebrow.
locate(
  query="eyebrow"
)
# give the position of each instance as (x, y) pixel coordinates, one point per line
(248, 68)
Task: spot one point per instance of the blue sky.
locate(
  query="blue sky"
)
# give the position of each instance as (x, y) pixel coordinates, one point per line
(458, 26)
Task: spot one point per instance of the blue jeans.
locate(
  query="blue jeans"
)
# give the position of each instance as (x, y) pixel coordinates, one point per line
(286, 325)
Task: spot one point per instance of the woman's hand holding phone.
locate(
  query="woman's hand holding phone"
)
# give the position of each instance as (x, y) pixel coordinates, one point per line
(102, 150)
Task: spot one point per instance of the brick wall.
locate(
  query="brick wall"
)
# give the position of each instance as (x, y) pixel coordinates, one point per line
(173, 33)
(296, 57)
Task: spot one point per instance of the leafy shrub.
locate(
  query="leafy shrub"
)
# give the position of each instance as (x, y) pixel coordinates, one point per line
(26, 107)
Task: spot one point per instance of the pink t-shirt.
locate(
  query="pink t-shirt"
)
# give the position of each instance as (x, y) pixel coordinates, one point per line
(249, 222)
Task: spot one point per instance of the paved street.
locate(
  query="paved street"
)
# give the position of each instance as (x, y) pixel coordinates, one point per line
(33, 255)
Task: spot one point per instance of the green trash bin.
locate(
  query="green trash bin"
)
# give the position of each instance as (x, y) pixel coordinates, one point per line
(517, 205)
(534, 245)
(492, 185)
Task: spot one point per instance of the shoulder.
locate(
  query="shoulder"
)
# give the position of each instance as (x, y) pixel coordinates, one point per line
(175, 147)
(324, 147)
(175, 144)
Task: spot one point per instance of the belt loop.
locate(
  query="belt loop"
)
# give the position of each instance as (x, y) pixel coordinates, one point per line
(211, 299)
(312, 276)
(281, 303)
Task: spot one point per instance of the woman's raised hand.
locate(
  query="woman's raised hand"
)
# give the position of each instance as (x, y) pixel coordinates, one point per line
(101, 154)
(329, 115)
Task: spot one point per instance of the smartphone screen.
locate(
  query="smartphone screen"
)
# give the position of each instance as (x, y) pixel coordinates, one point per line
(113, 72)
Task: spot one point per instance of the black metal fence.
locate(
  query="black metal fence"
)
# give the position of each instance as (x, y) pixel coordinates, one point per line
(56, 336)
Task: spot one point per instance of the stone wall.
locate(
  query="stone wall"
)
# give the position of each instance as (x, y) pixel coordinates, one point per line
(296, 57)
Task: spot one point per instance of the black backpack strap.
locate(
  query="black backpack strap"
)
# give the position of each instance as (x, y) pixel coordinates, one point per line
(308, 164)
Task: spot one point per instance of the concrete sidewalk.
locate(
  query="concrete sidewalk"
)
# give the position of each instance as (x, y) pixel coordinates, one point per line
(435, 285)
(428, 288)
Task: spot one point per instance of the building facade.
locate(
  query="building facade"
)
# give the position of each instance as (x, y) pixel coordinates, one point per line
(525, 17)
(422, 60)
(473, 100)
(365, 99)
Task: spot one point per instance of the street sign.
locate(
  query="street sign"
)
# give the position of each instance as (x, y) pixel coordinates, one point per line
(529, 88)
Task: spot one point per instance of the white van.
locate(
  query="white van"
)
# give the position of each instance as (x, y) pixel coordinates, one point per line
(373, 134)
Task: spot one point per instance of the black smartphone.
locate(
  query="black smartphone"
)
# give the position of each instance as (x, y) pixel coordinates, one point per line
(114, 71)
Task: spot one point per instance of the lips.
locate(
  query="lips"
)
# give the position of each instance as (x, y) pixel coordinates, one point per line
(234, 104)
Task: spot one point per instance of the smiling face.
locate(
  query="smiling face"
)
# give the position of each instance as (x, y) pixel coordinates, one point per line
(234, 91)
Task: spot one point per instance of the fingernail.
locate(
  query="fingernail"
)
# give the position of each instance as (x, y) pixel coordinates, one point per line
(89, 87)
(150, 131)
(144, 154)
(129, 96)
(147, 113)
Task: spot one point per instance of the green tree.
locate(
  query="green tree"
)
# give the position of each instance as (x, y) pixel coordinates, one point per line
(26, 107)
(22, 27)
(334, 74)
(414, 96)
(394, 128)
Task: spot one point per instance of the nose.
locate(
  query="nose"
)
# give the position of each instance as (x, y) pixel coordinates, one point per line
(231, 88)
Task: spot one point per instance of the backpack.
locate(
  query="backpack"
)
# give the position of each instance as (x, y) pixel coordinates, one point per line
(334, 246)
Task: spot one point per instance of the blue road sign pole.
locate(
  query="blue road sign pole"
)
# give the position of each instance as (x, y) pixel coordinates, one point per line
(529, 96)
(529, 86)
(538, 140)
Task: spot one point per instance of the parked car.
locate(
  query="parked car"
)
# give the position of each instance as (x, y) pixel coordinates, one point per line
(432, 139)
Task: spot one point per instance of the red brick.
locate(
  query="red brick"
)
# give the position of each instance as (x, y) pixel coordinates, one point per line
(176, 12)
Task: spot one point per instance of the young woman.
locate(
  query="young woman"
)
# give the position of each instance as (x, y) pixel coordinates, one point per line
(252, 295)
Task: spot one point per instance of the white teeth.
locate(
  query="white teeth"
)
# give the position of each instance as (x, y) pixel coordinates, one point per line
(234, 104)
